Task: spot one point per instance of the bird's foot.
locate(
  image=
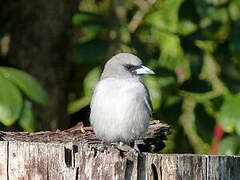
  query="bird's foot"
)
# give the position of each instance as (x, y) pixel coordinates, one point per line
(135, 148)
(102, 148)
(126, 147)
(122, 146)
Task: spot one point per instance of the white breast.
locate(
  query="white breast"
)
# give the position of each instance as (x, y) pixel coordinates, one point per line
(119, 111)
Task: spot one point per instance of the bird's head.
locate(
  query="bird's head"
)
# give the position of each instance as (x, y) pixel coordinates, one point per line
(125, 65)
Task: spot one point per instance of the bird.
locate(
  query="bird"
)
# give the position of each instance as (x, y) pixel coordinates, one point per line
(121, 107)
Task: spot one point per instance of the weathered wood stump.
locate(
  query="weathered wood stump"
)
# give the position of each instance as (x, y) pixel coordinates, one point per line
(72, 155)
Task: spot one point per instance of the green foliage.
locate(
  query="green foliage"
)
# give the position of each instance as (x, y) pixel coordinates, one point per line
(229, 115)
(27, 120)
(193, 46)
(230, 145)
(91, 80)
(11, 102)
(89, 83)
(91, 47)
(155, 90)
(91, 51)
(26, 83)
(16, 87)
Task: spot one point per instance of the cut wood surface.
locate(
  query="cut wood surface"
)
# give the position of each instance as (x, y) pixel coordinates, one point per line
(72, 155)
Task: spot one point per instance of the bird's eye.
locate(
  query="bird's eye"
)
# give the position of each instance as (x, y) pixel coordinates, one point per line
(130, 67)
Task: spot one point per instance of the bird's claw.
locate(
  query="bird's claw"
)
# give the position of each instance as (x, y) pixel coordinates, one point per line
(101, 148)
(135, 148)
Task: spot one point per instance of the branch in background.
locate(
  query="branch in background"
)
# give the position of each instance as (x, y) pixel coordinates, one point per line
(4, 44)
(138, 17)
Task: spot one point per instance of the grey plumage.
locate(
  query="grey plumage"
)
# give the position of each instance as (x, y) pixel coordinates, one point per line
(121, 105)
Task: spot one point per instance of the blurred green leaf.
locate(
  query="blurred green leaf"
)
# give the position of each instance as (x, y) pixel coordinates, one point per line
(26, 83)
(90, 22)
(171, 50)
(91, 51)
(230, 145)
(27, 120)
(216, 2)
(210, 8)
(89, 84)
(207, 46)
(168, 83)
(238, 127)
(165, 19)
(11, 102)
(91, 80)
(234, 9)
(186, 27)
(85, 18)
(154, 89)
(78, 104)
(219, 14)
(229, 114)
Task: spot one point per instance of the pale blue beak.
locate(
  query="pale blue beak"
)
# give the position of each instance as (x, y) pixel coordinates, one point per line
(143, 70)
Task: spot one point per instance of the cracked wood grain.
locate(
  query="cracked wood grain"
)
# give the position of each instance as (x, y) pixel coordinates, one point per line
(68, 161)
(72, 155)
(3, 160)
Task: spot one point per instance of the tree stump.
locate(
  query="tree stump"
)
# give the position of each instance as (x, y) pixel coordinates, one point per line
(72, 155)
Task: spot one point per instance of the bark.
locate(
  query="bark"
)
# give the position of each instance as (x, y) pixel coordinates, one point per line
(40, 44)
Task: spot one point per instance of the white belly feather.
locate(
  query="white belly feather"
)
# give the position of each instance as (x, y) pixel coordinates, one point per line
(119, 111)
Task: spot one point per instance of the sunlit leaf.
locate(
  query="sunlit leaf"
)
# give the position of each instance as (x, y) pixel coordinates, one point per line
(78, 104)
(171, 50)
(207, 45)
(11, 102)
(91, 80)
(27, 120)
(230, 145)
(229, 114)
(154, 89)
(234, 9)
(220, 14)
(186, 27)
(26, 83)
(167, 18)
